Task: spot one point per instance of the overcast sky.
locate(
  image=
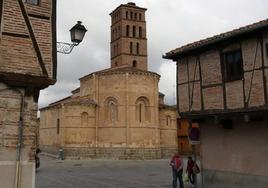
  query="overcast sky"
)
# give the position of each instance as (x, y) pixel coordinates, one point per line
(170, 24)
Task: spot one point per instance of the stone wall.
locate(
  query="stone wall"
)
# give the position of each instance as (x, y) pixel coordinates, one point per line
(10, 113)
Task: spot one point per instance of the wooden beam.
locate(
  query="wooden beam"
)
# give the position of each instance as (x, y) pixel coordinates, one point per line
(25, 80)
(200, 78)
(177, 86)
(54, 38)
(33, 38)
(263, 70)
(223, 79)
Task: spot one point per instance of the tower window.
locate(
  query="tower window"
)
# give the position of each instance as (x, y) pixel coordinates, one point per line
(33, 2)
(114, 50)
(119, 31)
(115, 64)
(139, 16)
(134, 63)
(131, 15)
(127, 15)
(134, 31)
(127, 32)
(131, 47)
(135, 16)
(140, 32)
(138, 48)
(233, 65)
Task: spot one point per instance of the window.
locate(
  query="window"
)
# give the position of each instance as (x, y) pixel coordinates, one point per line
(142, 110)
(267, 50)
(233, 65)
(138, 48)
(131, 47)
(139, 16)
(33, 2)
(168, 121)
(140, 32)
(114, 50)
(115, 64)
(58, 126)
(127, 31)
(131, 15)
(111, 112)
(134, 63)
(127, 15)
(135, 16)
(119, 31)
(134, 31)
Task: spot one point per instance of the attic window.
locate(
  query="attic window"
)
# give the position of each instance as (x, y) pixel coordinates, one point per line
(33, 2)
(233, 65)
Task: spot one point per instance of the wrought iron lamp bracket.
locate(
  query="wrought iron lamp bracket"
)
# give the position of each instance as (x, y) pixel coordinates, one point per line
(65, 48)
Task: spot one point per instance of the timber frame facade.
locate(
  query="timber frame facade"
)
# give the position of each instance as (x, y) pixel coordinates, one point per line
(202, 84)
(28, 43)
(222, 84)
(28, 63)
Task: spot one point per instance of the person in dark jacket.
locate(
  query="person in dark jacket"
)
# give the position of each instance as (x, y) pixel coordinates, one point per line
(190, 170)
(177, 169)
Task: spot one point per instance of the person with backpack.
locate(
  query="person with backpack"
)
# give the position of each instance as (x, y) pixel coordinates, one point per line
(192, 170)
(177, 169)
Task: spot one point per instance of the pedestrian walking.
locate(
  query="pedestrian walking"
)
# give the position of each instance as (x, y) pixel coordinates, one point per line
(177, 170)
(192, 170)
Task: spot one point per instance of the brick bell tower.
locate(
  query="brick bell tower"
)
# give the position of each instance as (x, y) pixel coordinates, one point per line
(128, 37)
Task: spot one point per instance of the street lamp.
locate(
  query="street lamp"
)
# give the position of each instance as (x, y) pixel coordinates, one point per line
(77, 34)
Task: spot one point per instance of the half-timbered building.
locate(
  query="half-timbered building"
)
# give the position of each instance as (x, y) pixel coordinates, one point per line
(222, 84)
(27, 64)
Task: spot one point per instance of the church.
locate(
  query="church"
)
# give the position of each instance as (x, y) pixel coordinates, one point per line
(117, 112)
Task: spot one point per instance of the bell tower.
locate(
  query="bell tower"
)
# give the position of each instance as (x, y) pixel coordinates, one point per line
(128, 37)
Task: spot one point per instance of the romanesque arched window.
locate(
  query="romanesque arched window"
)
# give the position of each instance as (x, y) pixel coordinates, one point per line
(143, 110)
(140, 32)
(111, 110)
(84, 119)
(127, 31)
(134, 63)
(131, 47)
(168, 120)
(138, 48)
(127, 15)
(134, 31)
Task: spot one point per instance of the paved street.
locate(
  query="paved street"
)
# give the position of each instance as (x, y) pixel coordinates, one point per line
(103, 174)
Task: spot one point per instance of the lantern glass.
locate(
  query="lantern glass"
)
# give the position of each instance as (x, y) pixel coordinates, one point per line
(77, 33)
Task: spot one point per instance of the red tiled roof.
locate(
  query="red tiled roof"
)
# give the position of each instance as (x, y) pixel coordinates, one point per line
(217, 38)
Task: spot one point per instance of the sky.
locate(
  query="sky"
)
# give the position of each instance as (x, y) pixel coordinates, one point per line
(170, 24)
